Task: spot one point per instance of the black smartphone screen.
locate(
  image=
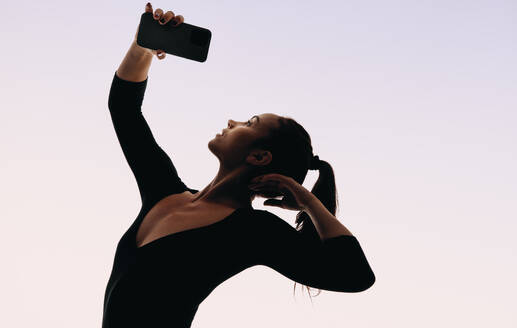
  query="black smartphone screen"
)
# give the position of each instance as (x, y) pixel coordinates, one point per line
(186, 40)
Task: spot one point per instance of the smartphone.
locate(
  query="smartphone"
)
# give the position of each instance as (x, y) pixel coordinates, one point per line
(185, 40)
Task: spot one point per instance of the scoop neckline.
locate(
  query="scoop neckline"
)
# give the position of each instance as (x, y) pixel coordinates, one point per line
(174, 234)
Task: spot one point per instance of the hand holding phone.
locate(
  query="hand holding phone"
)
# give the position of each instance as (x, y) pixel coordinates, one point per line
(158, 15)
(161, 33)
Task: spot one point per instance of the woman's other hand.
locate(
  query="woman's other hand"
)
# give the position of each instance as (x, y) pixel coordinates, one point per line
(295, 196)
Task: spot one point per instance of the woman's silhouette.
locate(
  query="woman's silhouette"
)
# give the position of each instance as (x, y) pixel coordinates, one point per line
(185, 242)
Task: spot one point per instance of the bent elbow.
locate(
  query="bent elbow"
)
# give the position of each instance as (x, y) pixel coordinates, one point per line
(362, 282)
(367, 282)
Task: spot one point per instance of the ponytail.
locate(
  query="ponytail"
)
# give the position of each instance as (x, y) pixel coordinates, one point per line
(325, 190)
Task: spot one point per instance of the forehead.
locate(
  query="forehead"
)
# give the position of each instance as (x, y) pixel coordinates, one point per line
(268, 119)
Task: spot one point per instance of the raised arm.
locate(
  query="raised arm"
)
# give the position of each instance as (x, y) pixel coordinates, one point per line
(155, 174)
(336, 264)
(154, 171)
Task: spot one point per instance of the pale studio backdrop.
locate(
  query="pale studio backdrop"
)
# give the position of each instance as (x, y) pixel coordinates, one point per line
(412, 102)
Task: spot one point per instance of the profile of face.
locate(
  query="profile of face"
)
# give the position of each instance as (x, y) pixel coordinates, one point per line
(232, 145)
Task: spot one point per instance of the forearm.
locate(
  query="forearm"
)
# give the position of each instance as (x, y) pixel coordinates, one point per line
(135, 65)
(326, 224)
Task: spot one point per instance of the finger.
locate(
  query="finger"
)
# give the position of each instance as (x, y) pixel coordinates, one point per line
(263, 185)
(279, 182)
(273, 202)
(160, 54)
(158, 14)
(148, 8)
(267, 192)
(261, 178)
(178, 20)
(270, 177)
(266, 181)
(166, 17)
(280, 177)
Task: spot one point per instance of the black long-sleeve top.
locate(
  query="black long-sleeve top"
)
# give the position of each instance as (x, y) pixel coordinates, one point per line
(162, 283)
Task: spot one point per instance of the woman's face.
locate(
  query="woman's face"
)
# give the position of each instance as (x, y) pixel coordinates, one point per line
(231, 146)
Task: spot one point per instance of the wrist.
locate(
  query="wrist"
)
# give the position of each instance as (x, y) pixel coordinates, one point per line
(135, 65)
(139, 52)
(310, 202)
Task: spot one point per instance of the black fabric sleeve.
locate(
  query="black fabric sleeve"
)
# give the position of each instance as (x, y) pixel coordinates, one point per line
(335, 264)
(154, 171)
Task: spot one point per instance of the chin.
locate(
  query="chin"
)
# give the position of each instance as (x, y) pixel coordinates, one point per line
(212, 146)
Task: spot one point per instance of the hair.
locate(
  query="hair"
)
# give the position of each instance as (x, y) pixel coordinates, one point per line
(291, 147)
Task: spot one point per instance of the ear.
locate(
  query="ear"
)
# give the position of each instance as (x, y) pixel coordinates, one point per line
(259, 157)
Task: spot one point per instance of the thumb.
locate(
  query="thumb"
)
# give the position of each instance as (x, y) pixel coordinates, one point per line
(273, 202)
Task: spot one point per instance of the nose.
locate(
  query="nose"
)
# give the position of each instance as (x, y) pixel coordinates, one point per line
(231, 123)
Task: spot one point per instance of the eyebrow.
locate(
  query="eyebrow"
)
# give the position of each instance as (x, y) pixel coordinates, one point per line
(258, 119)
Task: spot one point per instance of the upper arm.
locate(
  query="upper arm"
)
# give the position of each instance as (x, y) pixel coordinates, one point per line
(154, 171)
(336, 264)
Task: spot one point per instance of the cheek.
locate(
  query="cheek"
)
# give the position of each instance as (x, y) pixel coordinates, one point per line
(238, 144)
(237, 139)
(233, 142)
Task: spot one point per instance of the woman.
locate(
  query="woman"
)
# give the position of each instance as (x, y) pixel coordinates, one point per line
(185, 242)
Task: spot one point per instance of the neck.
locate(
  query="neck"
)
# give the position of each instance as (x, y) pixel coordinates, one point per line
(229, 187)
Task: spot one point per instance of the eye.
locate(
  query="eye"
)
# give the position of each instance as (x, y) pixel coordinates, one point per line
(249, 122)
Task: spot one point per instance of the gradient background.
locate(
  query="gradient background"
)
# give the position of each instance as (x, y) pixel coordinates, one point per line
(412, 102)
